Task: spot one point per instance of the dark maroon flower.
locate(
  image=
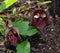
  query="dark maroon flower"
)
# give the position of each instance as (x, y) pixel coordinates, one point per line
(13, 36)
(40, 19)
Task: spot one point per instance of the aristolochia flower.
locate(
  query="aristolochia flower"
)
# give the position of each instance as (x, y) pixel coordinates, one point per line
(40, 19)
(13, 36)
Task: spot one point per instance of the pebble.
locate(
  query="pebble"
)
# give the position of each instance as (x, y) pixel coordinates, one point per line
(52, 29)
(50, 48)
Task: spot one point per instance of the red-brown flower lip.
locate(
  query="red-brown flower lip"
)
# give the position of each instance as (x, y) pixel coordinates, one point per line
(40, 19)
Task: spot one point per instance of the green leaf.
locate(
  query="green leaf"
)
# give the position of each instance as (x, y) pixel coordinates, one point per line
(14, 11)
(1, 26)
(6, 4)
(44, 3)
(1, 19)
(2, 31)
(1, 22)
(23, 47)
(25, 29)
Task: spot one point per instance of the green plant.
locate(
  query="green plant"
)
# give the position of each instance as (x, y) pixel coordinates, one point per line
(14, 11)
(25, 29)
(44, 3)
(23, 47)
(6, 4)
